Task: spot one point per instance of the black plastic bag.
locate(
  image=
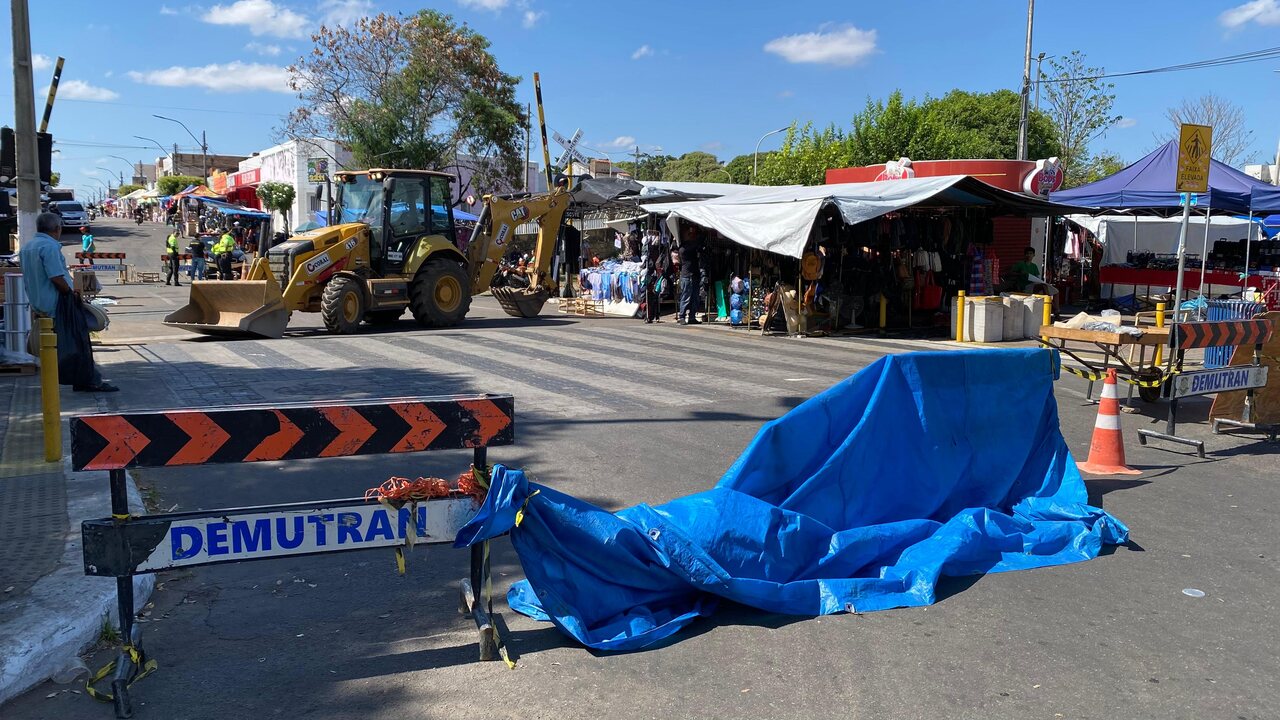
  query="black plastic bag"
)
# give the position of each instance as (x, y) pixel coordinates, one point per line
(75, 356)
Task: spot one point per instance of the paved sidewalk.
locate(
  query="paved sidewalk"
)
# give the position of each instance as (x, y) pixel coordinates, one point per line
(49, 610)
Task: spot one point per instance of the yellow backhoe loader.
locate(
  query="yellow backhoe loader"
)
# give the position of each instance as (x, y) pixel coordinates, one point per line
(397, 248)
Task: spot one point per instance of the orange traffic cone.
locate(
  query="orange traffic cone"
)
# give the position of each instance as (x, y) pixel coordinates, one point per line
(1106, 451)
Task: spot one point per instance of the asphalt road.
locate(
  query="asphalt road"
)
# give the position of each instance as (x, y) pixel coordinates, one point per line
(620, 413)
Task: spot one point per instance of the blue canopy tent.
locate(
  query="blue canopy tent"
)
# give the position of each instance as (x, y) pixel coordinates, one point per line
(1147, 186)
(227, 208)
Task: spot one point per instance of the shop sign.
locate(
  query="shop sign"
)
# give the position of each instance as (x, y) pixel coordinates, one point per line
(317, 170)
(218, 182)
(245, 178)
(1044, 179)
(899, 169)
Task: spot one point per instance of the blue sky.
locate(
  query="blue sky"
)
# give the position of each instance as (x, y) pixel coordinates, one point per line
(697, 74)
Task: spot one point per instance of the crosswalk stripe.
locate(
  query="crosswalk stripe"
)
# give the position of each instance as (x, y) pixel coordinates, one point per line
(529, 398)
(588, 386)
(722, 358)
(662, 371)
(316, 354)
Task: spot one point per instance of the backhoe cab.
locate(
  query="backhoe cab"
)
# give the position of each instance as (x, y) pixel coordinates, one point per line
(393, 246)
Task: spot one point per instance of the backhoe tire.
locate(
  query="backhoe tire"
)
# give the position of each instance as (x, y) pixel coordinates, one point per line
(342, 306)
(383, 317)
(440, 294)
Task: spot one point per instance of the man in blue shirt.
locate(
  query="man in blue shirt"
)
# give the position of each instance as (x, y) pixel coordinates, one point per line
(44, 272)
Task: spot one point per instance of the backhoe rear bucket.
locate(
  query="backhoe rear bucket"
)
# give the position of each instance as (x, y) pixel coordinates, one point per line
(233, 307)
(521, 302)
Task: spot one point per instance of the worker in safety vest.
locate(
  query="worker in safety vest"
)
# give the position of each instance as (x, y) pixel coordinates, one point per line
(172, 261)
(222, 253)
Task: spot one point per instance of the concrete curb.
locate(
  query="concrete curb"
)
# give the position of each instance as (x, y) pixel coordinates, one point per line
(64, 611)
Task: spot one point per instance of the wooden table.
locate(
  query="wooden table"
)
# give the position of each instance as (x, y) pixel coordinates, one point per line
(1105, 354)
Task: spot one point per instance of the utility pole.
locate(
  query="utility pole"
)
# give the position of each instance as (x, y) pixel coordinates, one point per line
(204, 155)
(24, 135)
(1039, 76)
(174, 164)
(637, 177)
(1026, 84)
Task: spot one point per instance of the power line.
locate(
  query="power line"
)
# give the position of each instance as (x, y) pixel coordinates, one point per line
(1226, 60)
(173, 107)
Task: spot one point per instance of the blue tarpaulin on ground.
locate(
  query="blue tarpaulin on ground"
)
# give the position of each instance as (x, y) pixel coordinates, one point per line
(920, 466)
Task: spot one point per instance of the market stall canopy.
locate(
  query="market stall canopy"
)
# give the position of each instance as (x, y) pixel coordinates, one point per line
(603, 191)
(1148, 185)
(1265, 200)
(151, 194)
(136, 195)
(227, 208)
(1122, 234)
(780, 220)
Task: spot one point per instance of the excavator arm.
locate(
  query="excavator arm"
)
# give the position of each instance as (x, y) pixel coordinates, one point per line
(496, 230)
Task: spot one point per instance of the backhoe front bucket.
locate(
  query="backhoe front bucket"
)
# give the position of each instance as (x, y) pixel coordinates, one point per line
(521, 302)
(233, 307)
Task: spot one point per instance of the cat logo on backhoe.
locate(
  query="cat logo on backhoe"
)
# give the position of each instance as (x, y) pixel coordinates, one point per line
(520, 213)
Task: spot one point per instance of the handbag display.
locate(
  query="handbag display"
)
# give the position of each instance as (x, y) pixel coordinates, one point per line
(928, 294)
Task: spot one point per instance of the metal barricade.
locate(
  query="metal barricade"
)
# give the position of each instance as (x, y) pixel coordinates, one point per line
(1220, 356)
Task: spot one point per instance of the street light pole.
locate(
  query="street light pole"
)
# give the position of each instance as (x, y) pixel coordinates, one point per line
(755, 158)
(204, 147)
(172, 168)
(1026, 84)
(1039, 76)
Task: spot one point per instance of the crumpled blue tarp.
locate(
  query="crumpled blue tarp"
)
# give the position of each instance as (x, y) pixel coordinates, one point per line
(919, 466)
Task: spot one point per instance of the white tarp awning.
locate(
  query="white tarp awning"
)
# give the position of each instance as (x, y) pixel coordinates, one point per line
(1122, 234)
(779, 220)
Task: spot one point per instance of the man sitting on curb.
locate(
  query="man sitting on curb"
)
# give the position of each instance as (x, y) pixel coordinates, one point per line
(44, 272)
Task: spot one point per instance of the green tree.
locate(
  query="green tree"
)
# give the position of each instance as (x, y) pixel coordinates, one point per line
(277, 196)
(695, 166)
(415, 91)
(651, 166)
(1081, 106)
(1100, 166)
(964, 124)
(54, 179)
(805, 156)
(741, 167)
(174, 184)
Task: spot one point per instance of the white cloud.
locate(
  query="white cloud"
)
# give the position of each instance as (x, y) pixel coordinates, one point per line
(261, 17)
(1264, 12)
(621, 142)
(228, 77)
(1126, 122)
(263, 48)
(109, 73)
(494, 5)
(844, 45)
(344, 12)
(786, 94)
(41, 62)
(643, 51)
(531, 18)
(81, 90)
(166, 10)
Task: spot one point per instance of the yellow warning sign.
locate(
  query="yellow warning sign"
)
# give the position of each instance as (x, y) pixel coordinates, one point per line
(1194, 145)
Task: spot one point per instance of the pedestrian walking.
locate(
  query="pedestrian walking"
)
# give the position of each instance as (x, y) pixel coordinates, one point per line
(690, 276)
(44, 273)
(174, 260)
(222, 252)
(199, 261)
(86, 241)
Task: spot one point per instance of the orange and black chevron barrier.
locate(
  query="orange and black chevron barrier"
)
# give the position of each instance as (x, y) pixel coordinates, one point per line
(1190, 335)
(125, 545)
(100, 256)
(198, 437)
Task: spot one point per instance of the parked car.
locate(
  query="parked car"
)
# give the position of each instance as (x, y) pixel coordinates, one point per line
(72, 212)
